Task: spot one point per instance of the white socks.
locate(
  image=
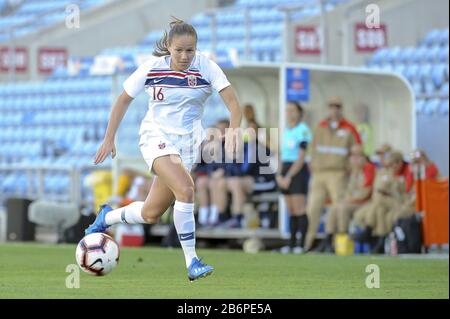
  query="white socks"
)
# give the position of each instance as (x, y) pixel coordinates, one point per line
(203, 215)
(183, 218)
(214, 215)
(130, 214)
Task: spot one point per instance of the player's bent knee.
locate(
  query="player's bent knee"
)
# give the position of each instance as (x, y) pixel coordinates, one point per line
(185, 194)
(151, 220)
(150, 217)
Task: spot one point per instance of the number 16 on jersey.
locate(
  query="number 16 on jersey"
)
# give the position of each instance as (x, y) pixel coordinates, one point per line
(158, 94)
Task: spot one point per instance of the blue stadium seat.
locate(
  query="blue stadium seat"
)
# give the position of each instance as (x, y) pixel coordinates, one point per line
(274, 16)
(425, 72)
(432, 106)
(420, 104)
(443, 37)
(443, 54)
(443, 92)
(237, 18)
(400, 69)
(432, 54)
(443, 107)
(417, 88)
(256, 46)
(392, 55)
(224, 32)
(258, 30)
(200, 20)
(438, 75)
(405, 55)
(204, 34)
(429, 88)
(379, 57)
(11, 183)
(419, 55)
(224, 18)
(275, 44)
(259, 16)
(432, 38)
(237, 32)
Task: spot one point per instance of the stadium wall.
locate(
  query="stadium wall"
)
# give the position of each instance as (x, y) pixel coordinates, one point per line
(432, 136)
(117, 23)
(405, 21)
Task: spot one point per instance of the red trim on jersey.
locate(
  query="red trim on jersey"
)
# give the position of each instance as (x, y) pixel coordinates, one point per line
(431, 171)
(159, 73)
(406, 172)
(178, 86)
(369, 171)
(347, 125)
(344, 124)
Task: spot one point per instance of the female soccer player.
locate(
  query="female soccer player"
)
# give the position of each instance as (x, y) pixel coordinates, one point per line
(294, 176)
(178, 81)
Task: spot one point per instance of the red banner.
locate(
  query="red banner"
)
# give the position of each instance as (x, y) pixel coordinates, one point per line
(51, 58)
(307, 40)
(19, 59)
(370, 39)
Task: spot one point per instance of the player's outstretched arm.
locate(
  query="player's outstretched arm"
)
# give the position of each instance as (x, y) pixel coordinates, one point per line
(118, 111)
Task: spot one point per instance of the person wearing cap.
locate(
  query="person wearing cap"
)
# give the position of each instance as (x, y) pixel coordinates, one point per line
(388, 192)
(330, 149)
(381, 153)
(420, 167)
(357, 193)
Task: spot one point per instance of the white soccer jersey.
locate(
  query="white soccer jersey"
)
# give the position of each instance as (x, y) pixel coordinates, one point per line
(176, 97)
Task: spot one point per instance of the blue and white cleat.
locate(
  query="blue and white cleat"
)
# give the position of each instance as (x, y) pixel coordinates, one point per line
(99, 225)
(198, 270)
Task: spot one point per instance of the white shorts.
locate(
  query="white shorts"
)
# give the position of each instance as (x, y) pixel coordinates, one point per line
(155, 143)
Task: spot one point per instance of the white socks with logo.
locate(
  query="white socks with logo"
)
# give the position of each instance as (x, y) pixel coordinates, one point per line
(183, 218)
(130, 214)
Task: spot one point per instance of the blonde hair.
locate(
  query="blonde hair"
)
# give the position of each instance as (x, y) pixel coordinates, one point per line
(177, 27)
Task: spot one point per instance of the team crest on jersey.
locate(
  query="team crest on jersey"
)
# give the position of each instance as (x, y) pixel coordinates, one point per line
(162, 145)
(192, 80)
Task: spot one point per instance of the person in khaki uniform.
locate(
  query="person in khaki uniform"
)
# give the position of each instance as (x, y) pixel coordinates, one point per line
(388, 192)
(381, 153)
(330, 148)
(357, 193)
(405, 175)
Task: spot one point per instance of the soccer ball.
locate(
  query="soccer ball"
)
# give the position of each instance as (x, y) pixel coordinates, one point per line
(97, 254)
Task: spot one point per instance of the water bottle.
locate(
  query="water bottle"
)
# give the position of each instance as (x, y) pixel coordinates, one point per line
(393, 249)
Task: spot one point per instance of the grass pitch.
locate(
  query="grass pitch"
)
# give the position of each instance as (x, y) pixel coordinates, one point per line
(39, 271)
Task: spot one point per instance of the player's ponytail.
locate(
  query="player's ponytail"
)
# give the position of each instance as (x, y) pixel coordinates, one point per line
(177, 27)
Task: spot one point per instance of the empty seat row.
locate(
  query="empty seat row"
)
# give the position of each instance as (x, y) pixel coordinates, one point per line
(62, 135)
(434, 54)
(436, 37)
(432, 106)
(56, 87)
(71, 117)
(54, 102)
(30, 16)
